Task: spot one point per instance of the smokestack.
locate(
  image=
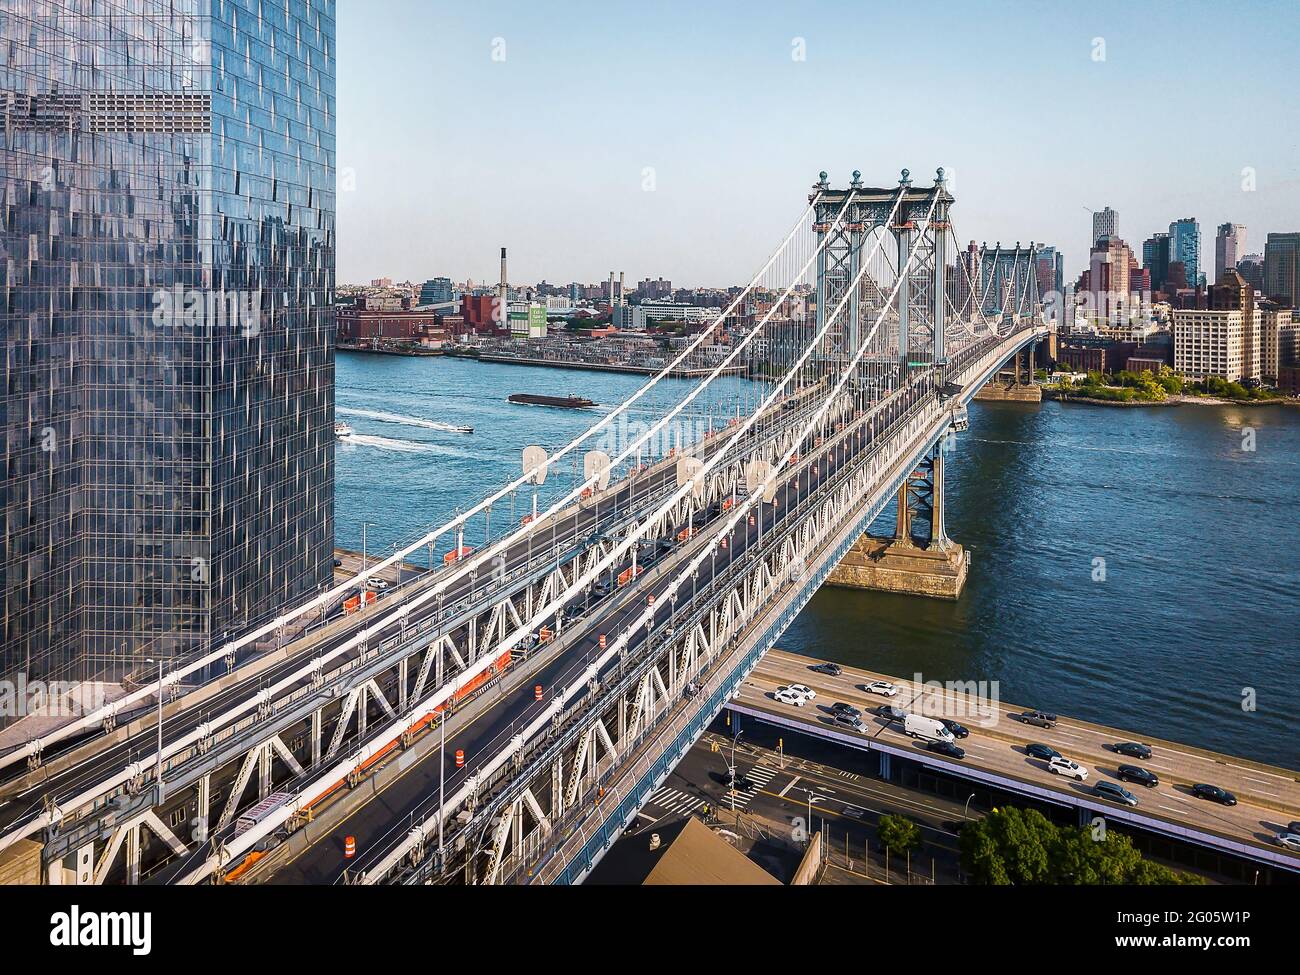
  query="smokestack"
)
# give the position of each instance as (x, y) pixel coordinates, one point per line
(503, 293)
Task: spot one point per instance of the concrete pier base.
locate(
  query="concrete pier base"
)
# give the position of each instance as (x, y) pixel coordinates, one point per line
(891, 566)
(1003, 392)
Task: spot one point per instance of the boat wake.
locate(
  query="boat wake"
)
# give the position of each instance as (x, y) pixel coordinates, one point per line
(410, 421)
(385, 443)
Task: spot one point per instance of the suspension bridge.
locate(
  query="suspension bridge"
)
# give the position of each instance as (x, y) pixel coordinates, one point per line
(519, 701)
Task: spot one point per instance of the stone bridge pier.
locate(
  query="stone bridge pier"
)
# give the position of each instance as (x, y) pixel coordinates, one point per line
(919, 559)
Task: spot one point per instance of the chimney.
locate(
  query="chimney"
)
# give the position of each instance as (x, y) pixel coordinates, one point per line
(503, 293)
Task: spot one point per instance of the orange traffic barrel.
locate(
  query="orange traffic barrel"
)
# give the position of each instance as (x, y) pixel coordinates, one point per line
(460, 758)
(349, 847)
(537, 692)
(602, 641)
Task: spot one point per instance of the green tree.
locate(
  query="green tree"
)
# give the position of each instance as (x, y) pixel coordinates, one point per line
(899, 834)
(1018, 846)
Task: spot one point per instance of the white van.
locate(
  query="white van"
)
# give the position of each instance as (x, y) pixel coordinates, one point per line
(927, 729)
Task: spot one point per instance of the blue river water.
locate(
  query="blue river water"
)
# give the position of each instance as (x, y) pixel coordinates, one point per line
(1189, 634)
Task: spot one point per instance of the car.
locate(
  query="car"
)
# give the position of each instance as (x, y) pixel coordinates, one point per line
(1214, 794)
(808, 693)
(881, 687)
(946, 748)
(1289, 841)
(1135, 773)
(1040, 719)
(831, 670)
(850, 721)
(839, 707)
(958, 731)
(1115, 793)
(1067, 767)
(1044, 752)
(787, 695)
(1132, 749)
(891, 713)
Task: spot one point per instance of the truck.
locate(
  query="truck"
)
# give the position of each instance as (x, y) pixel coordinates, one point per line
(927, 729)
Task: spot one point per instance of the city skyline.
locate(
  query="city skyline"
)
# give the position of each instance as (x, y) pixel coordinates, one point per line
(691, 107)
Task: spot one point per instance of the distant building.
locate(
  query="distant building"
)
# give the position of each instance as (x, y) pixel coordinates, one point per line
(1155, 259)
(1282, 268)
(526, 320)
(1229, 243)
(1251, 267)
(1105, 223)
(437, 291)
(1185, 247)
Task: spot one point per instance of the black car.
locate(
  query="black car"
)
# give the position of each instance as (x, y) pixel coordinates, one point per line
(1039, 719)
(958, 731)
(1214, 794)
(1135, 773)
(831, 670)
(1044, 752)
(1132, 749)
(839, 707)
(946, 748)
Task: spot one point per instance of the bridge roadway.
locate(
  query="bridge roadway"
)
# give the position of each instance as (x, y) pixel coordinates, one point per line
(383, 821)
(24, 796)
(1268, 797)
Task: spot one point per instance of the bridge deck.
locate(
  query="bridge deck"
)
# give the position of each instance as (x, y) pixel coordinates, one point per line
(1268, 797)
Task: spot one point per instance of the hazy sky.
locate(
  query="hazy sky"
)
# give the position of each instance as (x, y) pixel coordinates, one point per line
(465, 126)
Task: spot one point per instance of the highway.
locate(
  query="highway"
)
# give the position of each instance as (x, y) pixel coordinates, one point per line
(1268, 797)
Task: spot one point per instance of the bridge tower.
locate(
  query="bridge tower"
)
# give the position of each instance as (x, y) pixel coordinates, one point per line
(918, 317)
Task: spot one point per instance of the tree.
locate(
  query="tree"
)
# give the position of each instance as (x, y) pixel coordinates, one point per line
(1021, 846)
(899, 834)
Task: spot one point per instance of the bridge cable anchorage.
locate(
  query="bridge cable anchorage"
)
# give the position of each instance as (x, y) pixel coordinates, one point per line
(227, 650)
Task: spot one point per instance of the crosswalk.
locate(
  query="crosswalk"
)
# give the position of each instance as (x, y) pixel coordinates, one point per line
(756, 779)
(674, 802)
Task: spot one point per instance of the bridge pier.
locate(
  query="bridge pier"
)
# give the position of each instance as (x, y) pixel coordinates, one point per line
(935, 566)
(1014, 383)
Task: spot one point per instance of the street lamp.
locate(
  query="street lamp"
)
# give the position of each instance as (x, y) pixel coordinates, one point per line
(732, 769)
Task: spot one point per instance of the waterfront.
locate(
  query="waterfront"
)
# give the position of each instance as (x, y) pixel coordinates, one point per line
(1200, 593)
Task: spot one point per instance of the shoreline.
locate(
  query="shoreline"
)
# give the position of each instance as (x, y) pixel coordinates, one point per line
(1172, 400)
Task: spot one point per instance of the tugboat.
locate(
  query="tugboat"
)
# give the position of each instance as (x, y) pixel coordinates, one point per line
(565, 402)
(341, 430)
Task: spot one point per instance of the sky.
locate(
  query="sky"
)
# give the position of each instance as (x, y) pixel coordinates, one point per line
(680, 139)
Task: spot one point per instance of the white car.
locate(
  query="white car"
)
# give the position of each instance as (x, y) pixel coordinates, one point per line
(807, 692)
(881, 687)
(1061, 765)
(1289, 841)
(788, 695)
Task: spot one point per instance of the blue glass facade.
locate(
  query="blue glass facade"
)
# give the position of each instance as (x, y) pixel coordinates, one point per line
(166, 276)
(1185, 246)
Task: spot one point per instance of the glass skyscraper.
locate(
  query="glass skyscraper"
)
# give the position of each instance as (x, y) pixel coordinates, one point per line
(1185, 246)
(166, 276)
